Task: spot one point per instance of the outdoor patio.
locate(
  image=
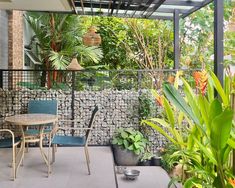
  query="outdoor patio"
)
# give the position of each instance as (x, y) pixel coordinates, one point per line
(144, 85)
(70, 170)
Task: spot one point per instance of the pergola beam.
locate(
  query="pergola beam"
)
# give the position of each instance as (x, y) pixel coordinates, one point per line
(202, 4)
(182, 3)
(176, 39)
(155, 7)
(218, 39)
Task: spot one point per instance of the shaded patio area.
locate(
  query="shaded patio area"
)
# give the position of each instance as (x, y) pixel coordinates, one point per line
(70, 170)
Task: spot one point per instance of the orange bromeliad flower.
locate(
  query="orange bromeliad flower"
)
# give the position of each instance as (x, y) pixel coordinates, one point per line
(201, 79)
(232, 182)
(171, 79)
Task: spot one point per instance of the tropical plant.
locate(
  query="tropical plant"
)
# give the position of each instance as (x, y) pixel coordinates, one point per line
(130, 139)
(59, 39)
(206, 149)
(147, 106)
(147, 156)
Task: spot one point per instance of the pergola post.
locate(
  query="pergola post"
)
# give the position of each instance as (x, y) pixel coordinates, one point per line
(218, 39)
(176, 39)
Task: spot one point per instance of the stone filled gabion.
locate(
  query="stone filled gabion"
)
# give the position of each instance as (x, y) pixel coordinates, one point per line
(116, 109)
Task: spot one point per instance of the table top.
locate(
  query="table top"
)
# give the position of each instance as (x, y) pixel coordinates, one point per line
(31, 119)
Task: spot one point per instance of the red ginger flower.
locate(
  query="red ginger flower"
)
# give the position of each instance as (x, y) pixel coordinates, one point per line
(201, 79)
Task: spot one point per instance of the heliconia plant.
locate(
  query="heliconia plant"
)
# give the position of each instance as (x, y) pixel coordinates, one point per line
(210, 137)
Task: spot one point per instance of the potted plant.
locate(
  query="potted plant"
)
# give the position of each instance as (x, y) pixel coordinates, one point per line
(146, 159)
(128, 145)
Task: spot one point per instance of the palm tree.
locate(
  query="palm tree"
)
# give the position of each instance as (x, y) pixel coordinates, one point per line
(59, 38)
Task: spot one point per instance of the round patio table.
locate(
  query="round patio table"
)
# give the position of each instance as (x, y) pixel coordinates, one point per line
(37, 120)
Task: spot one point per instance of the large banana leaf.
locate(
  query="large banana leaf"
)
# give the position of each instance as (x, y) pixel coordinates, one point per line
(220, 129)
(204, 108)
(173, 96)
(214, 110)
(219, 89)
(192, 98)
(159, 129)
(207, 152)
(169, 113)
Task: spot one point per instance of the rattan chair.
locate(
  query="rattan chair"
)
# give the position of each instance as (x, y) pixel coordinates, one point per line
(72, 140)
(8, 139)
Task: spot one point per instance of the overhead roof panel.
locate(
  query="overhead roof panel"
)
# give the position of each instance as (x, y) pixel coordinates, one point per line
(151, 9)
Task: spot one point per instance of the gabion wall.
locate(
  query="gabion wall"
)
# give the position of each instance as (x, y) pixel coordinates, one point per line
(116, 109)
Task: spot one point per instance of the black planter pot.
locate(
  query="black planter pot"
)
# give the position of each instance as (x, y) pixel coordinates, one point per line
(145, 163)
(125, 157)
(156, 161)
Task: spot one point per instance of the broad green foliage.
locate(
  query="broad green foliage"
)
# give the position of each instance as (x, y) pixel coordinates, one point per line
(59, 37)
(130, 139)
(206, 144)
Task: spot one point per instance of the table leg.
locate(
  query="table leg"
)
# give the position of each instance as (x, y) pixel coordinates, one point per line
(44, 156)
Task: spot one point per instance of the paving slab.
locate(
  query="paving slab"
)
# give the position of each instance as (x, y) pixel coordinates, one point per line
(150, 177)
(69, 169)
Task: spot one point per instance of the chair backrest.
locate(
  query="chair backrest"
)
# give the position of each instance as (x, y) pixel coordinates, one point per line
(91, 122)
(42, 106)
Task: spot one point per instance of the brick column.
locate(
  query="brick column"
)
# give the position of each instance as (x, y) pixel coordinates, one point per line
(15, 45)
(15, 40)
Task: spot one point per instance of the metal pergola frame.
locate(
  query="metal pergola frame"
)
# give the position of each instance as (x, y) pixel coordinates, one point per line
(161, 9)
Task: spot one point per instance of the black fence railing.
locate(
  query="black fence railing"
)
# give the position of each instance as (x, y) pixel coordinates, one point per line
(117, 93)
(87, 80)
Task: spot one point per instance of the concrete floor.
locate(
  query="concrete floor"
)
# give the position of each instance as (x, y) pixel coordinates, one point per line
(69, 170)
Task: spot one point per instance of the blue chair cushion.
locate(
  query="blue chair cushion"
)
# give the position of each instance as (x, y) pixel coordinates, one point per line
(43, 106)
(7, 142)
(36, 131)
(69, 140)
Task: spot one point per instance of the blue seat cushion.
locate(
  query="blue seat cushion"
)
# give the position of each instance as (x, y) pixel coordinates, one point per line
(36, 131)
(69, 140)
(7, 142)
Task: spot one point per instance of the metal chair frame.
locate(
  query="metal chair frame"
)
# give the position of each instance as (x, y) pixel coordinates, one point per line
(14, 154)
(85, 145)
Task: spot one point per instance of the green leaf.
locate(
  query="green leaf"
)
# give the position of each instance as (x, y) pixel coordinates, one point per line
(220, 89)
(136, 145)
(190, 182)
(215, 110)
(221, 128)
(124, 134)
(225, 154)
(204, 108)
(231, 143)
(169, 112)
(192, 98)
(132, 137)
(206, 151)
(137, 137)
(131, 147)
(210, 91)
(126, 144)
(159, 129)
(115, 141)
(173, 95)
